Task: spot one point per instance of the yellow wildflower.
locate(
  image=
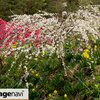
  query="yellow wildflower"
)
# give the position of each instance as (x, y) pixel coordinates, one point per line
(13, 46)
(65, 95)
(95, 47)
(95, 62)
(89, 58)
(2, 53)
(89, 47)
(33, 44)
(55, 91)
(16, 42)
(30, 44)
(72, 54)
(96, 85)
(49, 95)
(24, 45)
(31, 84)
(32, 71)
(37, 75)
(85, 54)
(86, 50)
(33, 89)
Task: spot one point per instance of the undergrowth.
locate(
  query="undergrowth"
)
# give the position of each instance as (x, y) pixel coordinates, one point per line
(45, 78)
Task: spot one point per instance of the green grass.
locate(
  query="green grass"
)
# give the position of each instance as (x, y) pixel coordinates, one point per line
(46, 74)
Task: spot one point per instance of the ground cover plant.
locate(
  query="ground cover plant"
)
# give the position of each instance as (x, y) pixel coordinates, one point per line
(56, 59)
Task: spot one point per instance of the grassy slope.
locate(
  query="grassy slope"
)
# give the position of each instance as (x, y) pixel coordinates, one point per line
(46, 74)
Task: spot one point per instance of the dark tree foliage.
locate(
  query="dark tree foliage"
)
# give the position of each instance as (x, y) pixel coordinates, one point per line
(16, 6)
(10, 7)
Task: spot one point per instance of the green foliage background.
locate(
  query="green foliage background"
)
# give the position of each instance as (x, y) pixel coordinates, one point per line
(32, 6)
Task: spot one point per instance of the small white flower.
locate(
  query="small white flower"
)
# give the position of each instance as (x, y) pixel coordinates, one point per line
(30, 57)
(64, 4)
(93, 78)
(26, 56)
(27, 85)
(92, 61)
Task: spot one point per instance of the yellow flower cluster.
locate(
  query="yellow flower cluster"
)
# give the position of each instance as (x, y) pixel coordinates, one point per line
(55, 91)
(96, 85)
(30, 44)
(16, 43)
(50, 95)
(89, 47)
(86, 50)
(95, 47)
(2, 54)
(95, 62)
(33, 71)
(26, 46)
(34, 44)
(85, 54)
(13, 46)
(31, 84)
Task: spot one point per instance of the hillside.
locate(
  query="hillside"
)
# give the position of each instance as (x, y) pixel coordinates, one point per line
(56, 58)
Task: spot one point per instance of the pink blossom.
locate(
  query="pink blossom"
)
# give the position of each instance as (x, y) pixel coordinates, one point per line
(1, 38)
(37, 32)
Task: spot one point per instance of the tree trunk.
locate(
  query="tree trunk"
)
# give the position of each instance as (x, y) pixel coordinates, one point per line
(1, 63)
